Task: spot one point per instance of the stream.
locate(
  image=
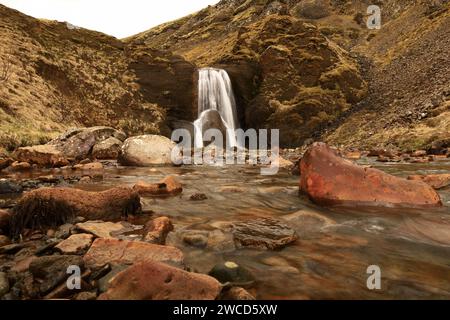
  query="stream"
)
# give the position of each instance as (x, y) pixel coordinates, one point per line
(412, 247)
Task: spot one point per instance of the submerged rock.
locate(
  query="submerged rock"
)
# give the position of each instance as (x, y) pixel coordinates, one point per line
(263, 233)
(237, 294)
(4, 284)
(146, 150)
(168, 186)
(8, 187)
(4, 219)
(231, 273)
(157, 230)
(105, 251)
(150, 280)
(101, 229)
(329, 179)
(49, 207)
(52, 270)
(437, 181)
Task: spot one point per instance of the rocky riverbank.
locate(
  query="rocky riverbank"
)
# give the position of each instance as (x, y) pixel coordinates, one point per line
(140, 239)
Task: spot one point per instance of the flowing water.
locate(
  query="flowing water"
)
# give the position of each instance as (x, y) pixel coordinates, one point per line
(412, 247)
(215, 93)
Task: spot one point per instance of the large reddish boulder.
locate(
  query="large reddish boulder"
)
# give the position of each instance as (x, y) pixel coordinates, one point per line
(151, 280)
(329, 179)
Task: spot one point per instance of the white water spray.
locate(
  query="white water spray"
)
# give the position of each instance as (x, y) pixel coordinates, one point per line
(215, 93)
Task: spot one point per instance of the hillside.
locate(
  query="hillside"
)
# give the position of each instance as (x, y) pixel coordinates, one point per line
(310, 68)
(402, 108)
(55, 76)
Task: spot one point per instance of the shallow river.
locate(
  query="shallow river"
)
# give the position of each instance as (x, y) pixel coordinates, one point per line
(412, 247)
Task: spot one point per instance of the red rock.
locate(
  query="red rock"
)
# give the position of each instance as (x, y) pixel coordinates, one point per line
(437, 181)
(4, 219)
(168, 186)
(157, 230)
(75, 244)
(20, 166)
(105, 251)
(329, 179)
(43, 155)
(150, 280)
(89, 166)
(419, 153)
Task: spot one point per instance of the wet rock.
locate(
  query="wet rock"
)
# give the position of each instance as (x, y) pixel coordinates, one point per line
(78, 143)
(419, 153)
(7, 187)
(50, 179)
(352, 155)
(107, 149)
(5, 162)
(307, 222)
(105, 251)
(75, 244)
(4, 241)
(437, 181)
(12, 248)
(156, 230)
(263, 233)
(329, 179)
(85, 296)
(103, 283)
(4, 219)
(150, 280)
(220, 241)
(102, 229)
(4, 284)
(147, 150)
(20, 166)
(237, 294)
(196, 239)
(49, 207)
(285, 164)
(52, 270)
(198, 197)
(231, 189)
(42, 155)
(231, 273)
(93, 166)
(168, 186)
(64, 231)
(23, 265)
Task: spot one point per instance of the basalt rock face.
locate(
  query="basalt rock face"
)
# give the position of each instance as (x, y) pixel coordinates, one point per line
(331, 180)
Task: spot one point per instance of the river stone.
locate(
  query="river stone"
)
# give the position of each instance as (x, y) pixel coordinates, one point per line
(75, 244)
(263, 233)
(107, 149)
(146, 150)
(237, 294)
(105, 251)
(328, 179)
(307, 222)
(4, 241)
(52, 270)
(151, 280)
(43, 155)
(231, 273)
(4, 219)
(102, 229)
(4, 284)
(7, 187)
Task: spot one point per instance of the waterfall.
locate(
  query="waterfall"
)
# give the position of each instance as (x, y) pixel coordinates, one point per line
(215, 93)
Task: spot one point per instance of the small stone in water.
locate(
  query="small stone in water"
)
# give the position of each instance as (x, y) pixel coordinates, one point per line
(198, 197)
(231, 272)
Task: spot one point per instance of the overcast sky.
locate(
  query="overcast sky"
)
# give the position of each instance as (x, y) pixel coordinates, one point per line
(120, 18)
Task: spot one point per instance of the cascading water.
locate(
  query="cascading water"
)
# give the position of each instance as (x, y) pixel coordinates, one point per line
(215, 93)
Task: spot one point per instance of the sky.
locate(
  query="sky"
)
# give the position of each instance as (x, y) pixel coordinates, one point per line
(118, 18)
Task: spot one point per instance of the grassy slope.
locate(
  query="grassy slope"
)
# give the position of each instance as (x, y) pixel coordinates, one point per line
(60, 77)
